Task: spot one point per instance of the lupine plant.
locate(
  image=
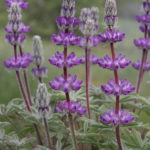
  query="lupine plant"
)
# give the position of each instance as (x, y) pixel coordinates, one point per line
(68, 113)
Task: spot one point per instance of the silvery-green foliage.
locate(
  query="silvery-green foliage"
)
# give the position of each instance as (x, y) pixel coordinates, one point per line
(94, 132)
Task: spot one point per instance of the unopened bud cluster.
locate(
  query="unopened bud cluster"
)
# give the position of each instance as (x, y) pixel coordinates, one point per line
(146, 5)
(38, 72)
(15, 27)
(89, 18)
(38, 50)
(110, 19)
(43, 99)
(68, 8)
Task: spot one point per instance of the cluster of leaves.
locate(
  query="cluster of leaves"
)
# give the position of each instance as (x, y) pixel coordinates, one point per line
(17, 130)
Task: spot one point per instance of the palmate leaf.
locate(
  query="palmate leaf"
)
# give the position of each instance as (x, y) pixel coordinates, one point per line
(133, 139)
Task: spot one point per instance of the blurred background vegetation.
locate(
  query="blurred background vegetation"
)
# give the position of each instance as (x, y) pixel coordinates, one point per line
(41, 17)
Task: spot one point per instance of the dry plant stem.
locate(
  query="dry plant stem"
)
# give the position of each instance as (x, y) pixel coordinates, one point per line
(72, 131)
(87, 75)
(26, 80)
(50, 144)
(116, 76)
(144, 59)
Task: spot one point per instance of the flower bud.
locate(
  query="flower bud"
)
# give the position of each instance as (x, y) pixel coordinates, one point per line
(38, 50)
(89, 28)
(95, 17)
(43, 99)
(89, 21)
(110, 8)
(14, 17)
(110, 18)
(146, 5)
(68, 8)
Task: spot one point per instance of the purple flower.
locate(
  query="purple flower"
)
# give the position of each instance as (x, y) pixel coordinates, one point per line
(111, 117)
(144, 19)
(111, 20)
(43, 108)
(92, 41)
(39, 72)
(15, 39)
(111, 36)
(58, 60)
(21, 62)
(20, 28)
(119, 63)
(71, 106)
(60, 83)
(67, 23)
(124, 87)
(143, 28)
(142, 43)
(93, 59)
(21, 3)
(137, 65)
(65, 39)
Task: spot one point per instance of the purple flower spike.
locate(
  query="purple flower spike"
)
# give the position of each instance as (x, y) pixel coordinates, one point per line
(21, 62)
(144, 19)
(65, 39)
(71, 106)
(142, 28)
(124, 87)
(93, 41)
(137, 65)
(119, 63)
(67, 23)
(60, 83)
(94, 59)
(58, 60)
(21, 3)
(111, 36)
(111, 117)
(15, 39)
(142, 43)
(39, 72)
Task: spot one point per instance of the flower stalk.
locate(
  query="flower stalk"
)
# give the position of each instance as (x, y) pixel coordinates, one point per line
(116, 86)
(87, 76)
(50, 144)
(143, 61)
(71, 125)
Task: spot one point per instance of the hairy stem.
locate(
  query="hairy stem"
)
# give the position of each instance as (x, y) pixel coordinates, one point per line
(38, 134)
(26, 80)
(22, 90)
(143, 61)
(24, 95)
(71, 125)
(117, 108)
(39, 78)
(87, 76)
(66, 71)
(50, 144)
(118, 138)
